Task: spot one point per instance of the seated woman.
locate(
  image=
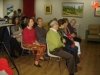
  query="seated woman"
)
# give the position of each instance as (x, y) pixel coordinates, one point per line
(30, 41)
(14, 45)
(16, 29)
(69, 45)
(70, 36)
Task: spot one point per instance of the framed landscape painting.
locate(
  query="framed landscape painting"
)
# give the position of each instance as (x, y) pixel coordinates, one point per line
(72, 9)
(97, 11)
(48, 9)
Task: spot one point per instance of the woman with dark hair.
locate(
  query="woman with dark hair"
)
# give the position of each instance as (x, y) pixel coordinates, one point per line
(30, 41)
(70, 36)
(11, 38)
(24, 22)
(16, 29)
(69, 44)
(70, 47)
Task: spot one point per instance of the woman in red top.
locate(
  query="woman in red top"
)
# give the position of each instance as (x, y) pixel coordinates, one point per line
(30, 41)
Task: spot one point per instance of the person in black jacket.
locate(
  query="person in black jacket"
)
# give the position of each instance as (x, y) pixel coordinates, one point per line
(10, 41)
(72, 30)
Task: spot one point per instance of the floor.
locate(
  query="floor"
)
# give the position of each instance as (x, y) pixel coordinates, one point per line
(90, 63)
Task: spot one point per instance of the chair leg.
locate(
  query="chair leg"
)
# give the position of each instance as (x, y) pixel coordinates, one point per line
(30, 57)
(47, 65)
(22, 53)
(59, 66)
(52, 61)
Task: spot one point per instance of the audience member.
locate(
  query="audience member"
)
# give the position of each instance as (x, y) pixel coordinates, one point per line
(15, 13)
(55, 45)
(24, 22)
(9, 40)
(71, 30)
(70, 36)
(40, 31)
(55, 19)
(16, 29)
(30, 41)
(69, 44)
(35, 22)
(20, 14)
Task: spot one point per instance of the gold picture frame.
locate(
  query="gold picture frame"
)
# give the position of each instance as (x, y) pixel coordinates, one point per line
(48, 9)
(72, 9)
(97, 12)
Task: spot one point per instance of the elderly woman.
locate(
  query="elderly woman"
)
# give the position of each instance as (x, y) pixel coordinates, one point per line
(30, 41)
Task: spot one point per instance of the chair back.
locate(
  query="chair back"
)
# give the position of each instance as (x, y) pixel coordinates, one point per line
(23, 46)
(49, 54)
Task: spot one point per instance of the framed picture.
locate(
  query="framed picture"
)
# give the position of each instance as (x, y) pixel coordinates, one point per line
(97, 12)
(48, 9)
(9, 10)
(72, 9)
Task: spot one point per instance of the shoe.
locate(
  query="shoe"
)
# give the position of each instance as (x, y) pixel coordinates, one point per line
(14, 56)
(79, 68)
(37, 65)
(43, 59)
(80, 57)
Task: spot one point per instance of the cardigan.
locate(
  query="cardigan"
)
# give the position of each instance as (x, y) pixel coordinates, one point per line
(53, 40)
(40, 34)
(28, 36)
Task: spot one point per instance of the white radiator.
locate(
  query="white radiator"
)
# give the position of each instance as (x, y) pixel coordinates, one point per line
(77, 26)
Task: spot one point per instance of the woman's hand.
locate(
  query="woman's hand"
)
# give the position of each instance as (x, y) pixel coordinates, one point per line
(73, 35)
(17, 36)
(63, 40)
(36, 42)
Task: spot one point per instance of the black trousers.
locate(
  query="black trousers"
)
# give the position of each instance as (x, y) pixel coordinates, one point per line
(14, 45)
(76, 57)
(70, 61)
(77, 39)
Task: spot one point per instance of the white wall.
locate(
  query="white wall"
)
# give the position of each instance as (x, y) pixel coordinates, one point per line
(1, 8)
(88, 15)
(17, 4)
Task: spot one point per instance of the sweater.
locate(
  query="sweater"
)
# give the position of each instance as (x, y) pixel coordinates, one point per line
(53, 40)
(40, 33)
(28, 35)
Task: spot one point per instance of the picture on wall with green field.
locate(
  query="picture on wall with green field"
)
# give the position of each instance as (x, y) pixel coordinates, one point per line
(72, 9)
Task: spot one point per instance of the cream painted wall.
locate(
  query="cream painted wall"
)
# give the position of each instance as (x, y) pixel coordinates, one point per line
(16, 3)
(1, 8)
(88, 15)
